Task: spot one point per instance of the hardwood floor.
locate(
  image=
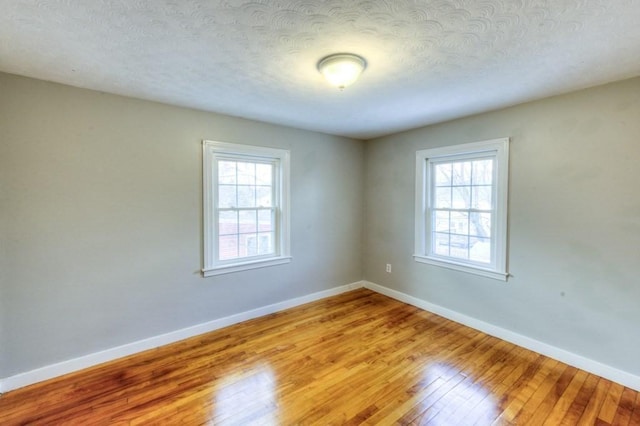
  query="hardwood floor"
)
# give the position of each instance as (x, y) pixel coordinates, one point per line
(357, 358)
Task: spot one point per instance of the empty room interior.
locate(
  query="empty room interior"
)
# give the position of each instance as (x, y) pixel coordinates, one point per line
(294, 212)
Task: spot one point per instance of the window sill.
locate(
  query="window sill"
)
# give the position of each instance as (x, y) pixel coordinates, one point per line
(496, 275)
(243, 266)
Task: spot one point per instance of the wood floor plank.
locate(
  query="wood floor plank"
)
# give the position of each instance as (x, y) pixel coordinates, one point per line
(592, 408)
(517, 395)
(471, 391)
(611, 402)
(356, 358)
(635, 416)
(561, 407)
(538, 407)
(625, 408)
(482, 404)
(581, 400)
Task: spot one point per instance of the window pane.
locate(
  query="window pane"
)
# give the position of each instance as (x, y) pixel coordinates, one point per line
(228, 223)
(480, 224)
(483, 172)
(462, 173)
(459, 223)
(226, 196)
(227, 172)
(264, 196)
(441, 221)
(459, 246)
(246, 196)
(481, 197)
(248, 245)
(246, 173)
(443, 198)
(461, 197)
(228, 247)
(265, 243)
(480, 250)
(264, 174)
(248, 223)
(443, 174)
(265, 221)
(440, 243)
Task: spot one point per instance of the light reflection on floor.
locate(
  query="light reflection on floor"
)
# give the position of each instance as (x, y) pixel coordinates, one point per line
(247, 398)
(454, 398)
(444, 396)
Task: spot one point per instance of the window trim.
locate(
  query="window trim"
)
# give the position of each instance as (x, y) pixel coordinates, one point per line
(212, 150)
(494, 147)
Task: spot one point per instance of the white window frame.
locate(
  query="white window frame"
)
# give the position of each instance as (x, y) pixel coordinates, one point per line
(496, 148)
(214, 150)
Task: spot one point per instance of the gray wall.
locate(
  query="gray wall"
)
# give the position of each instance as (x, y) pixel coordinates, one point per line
(3, 235)
(101, 220)
(574, 222)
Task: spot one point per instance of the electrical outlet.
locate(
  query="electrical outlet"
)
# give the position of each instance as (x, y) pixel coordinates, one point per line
(388, 268)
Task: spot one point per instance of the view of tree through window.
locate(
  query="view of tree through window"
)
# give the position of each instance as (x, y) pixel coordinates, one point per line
(246, 213)
(462, 209)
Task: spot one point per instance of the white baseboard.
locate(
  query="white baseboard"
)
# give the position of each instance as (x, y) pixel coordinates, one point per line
(619, 376)
(90, 360)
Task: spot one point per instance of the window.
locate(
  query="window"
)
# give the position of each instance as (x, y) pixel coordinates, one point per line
(461, 207)
(246, 210)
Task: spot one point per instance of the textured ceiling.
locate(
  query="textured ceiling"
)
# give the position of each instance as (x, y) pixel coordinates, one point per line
(428, 60)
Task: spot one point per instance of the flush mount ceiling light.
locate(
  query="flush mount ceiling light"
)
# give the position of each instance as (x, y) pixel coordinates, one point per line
(342, 69)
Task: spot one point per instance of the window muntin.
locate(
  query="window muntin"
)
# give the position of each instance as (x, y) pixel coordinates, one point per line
(246, 207)
(461, 200)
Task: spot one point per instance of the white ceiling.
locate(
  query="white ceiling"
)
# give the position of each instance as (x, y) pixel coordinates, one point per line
(428, 60)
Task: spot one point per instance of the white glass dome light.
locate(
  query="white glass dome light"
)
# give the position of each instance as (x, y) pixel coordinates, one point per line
(342, 69)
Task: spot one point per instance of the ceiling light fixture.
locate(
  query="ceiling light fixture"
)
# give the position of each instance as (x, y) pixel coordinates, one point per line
(342, 69)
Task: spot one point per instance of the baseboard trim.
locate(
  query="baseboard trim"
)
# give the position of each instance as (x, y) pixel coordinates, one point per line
(619, 376)
(90, 360)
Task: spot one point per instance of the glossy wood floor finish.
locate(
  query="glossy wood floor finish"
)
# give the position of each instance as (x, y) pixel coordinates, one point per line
(357, 358)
